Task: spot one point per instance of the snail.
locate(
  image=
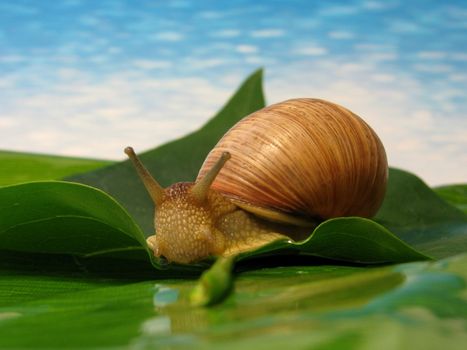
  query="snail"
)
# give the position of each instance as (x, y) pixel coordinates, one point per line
(274, 175)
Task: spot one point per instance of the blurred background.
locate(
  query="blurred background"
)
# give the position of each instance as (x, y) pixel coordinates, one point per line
(86, 78)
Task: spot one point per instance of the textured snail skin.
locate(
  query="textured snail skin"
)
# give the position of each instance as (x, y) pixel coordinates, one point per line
(185, 229)
(188, 231)
(193, 221)
(307, 157)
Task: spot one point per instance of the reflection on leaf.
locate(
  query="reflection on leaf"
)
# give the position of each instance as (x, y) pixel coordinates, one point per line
(327, 305)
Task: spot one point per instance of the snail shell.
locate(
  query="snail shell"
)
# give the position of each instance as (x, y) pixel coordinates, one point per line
(305, 158)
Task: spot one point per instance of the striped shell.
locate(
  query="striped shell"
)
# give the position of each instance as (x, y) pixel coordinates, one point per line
(305, 157)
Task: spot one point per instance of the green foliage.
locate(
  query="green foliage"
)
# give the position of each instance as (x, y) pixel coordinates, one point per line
(22, 167)
(455, 195)
(421, 218)
(75, 270)
(65, 218)
(418, 305)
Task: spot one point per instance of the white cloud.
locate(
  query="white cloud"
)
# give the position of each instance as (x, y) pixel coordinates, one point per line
(382, 56)
(46, 138)
(89, 20)
(339, 10)
(432, 68)
(8, 81)
(341, 35)
(431, 55)
(409, 145)
(311, 51)
(404, 26)
(379, 5)
(383, 78)
(86, 117)
(199, 63)
(457, 12)
(226, 33)
(372, 47)
(267, 33)
(69, 73)
(423, 119)
(168, 36)
(7, 122)
(246, 48)
(12, 58)
(456, 77)
(152, 64)
(259, 60)
(211, 15)
(459, 56)
(352, 67)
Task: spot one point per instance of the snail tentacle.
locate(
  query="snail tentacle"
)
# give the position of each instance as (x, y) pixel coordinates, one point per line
(152, 186)
(201, 188)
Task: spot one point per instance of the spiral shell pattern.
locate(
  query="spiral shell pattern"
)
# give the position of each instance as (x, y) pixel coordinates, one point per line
(306, 157)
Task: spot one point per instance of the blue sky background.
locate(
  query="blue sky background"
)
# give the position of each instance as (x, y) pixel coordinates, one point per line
(86, 77)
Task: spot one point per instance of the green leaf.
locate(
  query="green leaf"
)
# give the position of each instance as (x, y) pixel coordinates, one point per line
(409, 202)
(67, 218)
(417, 215)
(455, 195)
(23, 167)
(360, 240)
(408, 306)
(175, 161)
(350, 239)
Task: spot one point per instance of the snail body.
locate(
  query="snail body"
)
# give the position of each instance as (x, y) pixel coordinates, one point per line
(273, 175)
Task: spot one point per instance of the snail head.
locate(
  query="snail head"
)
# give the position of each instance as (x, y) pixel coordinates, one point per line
(185, 215)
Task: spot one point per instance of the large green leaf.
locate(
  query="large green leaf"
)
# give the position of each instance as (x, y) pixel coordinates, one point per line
(456, 195)
(357, 240)
(22, 167)
(350, 239)
(66, 218)
(421, 218)
(410, 306)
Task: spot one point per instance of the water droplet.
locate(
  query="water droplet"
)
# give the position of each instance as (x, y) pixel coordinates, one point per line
(165, 295)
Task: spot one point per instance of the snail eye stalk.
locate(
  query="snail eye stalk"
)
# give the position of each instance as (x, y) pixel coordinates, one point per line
(201, 188)
(152, 186)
